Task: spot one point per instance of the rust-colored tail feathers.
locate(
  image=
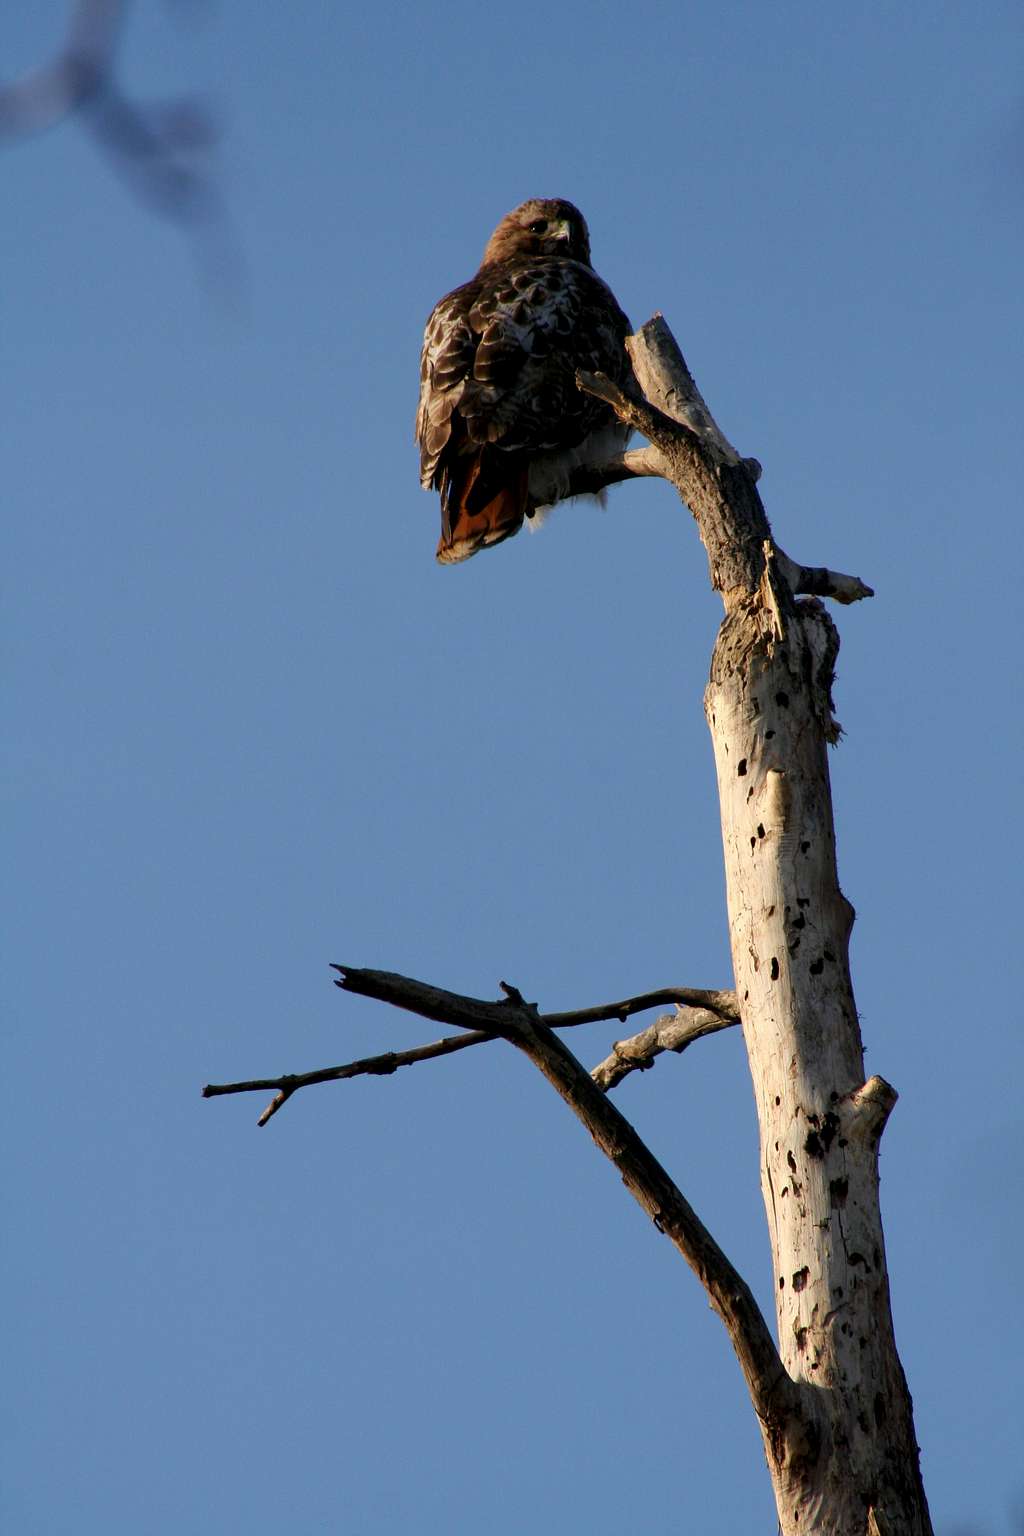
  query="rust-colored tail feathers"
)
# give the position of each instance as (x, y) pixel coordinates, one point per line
(470, 523)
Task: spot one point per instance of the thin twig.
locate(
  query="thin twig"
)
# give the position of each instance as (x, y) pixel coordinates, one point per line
(720, 1006)
(375, 1066)
(720, 1002)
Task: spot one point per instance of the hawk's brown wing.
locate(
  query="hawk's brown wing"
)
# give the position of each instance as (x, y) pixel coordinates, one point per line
(498, 386)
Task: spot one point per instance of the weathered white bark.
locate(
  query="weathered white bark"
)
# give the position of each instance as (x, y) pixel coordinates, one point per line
(768, 710)
(848, 1463)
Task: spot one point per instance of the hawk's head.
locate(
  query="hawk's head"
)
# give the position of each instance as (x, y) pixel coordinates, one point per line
(545, 226)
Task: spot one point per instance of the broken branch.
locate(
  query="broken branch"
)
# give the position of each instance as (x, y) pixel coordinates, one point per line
(718, 1005)
(690, 450)
(669, 1032)
(773, 1392)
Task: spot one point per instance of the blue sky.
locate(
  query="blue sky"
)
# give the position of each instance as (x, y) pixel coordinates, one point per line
(251, 728)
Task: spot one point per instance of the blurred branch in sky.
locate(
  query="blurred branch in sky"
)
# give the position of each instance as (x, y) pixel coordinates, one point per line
(161, 149)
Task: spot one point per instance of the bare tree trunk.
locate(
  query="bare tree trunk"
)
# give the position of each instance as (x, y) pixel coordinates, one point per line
(830, 1396)
(767, 705)
(769, 709)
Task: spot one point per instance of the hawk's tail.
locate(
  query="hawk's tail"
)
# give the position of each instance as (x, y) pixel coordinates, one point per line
(468, 523)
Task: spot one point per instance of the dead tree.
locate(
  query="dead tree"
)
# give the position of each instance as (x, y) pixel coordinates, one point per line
(827, 1387)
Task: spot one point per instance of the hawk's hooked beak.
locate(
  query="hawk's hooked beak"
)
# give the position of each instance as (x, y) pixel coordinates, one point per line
(560, 231)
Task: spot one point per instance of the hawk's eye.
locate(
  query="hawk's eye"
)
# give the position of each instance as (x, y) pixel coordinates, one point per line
(538, 226)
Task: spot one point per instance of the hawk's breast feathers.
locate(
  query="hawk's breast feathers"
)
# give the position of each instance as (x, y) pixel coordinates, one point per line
(501, 423)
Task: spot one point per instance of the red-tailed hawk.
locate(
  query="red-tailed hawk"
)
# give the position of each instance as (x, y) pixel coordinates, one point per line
(501, 423)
